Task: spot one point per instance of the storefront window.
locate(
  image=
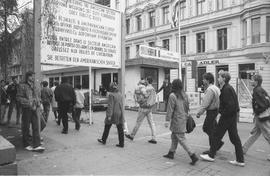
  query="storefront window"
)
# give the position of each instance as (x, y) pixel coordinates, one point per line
(153, 72)
(201, 71)
(68, 79)
(246, 70)
(77, 80)
(85, 81)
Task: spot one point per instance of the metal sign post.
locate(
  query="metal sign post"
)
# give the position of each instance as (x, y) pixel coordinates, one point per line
(90, 98)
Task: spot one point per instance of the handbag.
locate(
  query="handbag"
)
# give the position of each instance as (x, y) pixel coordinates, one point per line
(190, 124)
(265, 115)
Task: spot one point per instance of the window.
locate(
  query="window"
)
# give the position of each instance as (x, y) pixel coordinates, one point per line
(255, 30)
(77, 80)
(182, 9)
(68, 79)
(200, 6)
(268, 29)
(201, 42)
(222, 39)
(51, 82)
(166, 44)
(117, 4)
(85, 81)
(139, 23)
(152, 19)
(245, 32)
(165, 15)
(220, 4)
(127, 26)
(183, 45)
(152, 44)
(137, 49)
(127, 53)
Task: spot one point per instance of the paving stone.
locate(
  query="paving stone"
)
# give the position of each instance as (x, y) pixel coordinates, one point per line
(7, 151)
(9, 169)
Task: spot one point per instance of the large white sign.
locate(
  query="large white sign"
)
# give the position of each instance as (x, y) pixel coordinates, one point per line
(156, 53)
(79, 33)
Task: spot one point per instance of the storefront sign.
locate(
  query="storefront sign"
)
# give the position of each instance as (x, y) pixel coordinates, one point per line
(156, 53)
(80, 33)
(208, 62)
(221, 55)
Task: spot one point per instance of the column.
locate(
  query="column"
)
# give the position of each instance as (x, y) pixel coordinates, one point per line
(263, 29)
(249, 35)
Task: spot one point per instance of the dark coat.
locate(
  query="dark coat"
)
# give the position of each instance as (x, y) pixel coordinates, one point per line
(12, 91)
(166, 90)
(229, 105)
(65, 93)
(259, 102)
(115, 109)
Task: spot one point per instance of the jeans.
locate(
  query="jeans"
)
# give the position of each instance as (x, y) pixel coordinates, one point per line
(120, 133)
(76, 114)
(30, 117)
(46, 110)
(180, 138)
(259, 128)
(63, 110)
(141, 115)
(227, 124)
(210, 124)
(3, 109)
(14, 103)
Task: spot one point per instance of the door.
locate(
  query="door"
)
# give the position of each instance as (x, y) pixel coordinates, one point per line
(201, 71)
(106, 80)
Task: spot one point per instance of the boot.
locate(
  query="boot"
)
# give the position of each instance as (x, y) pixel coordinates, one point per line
(194, 159)
(170, 155)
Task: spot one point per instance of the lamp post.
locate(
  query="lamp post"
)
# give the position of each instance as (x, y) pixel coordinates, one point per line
(179, 47)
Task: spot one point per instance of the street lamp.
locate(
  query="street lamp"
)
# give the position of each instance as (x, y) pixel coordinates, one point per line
(179, 38)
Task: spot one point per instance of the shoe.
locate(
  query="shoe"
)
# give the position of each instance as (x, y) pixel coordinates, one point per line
(170, 155)
(38, 149)
(221, 144)
(101, 141)
(206, 152)
(29, 148)
(207, 158)
(152, 141)
(64, 132)
(236, 163)
(194, 159)
(41, 139)
(77, 127)
(129, 136)
(58, 122)
(118, 145)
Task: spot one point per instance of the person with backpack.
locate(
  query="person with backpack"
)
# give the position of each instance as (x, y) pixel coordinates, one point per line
(145, 110)
(177, 113)
(260, 103)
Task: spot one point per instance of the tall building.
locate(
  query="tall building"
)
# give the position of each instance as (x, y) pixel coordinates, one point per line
(231, 35)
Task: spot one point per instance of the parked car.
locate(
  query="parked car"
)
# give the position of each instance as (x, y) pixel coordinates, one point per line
(97, 101)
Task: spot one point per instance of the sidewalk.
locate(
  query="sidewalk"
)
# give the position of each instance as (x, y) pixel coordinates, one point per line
(80, 153)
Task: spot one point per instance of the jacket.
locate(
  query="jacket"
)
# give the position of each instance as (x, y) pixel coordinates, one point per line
(229, 105)
(259, 102)
(12, 91)
(177, 111)
(46, 95)
(65, 93)
(210, 99)
(115, 109)
(79, 99)
(28, 96)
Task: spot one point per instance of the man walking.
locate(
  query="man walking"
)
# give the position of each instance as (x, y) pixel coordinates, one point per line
(166, 87)
(145, 110)
(27, 96)
(76, 114)
(260, 102)
(12, 92)
(210, 104)
(66, 99)
(229, 111)
(46, 99)
(54, 104)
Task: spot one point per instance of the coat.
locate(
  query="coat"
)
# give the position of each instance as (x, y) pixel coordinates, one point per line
(259, 102)
(177, 111)
(115, 109)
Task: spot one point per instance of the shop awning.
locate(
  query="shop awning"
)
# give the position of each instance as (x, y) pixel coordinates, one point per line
(152, 62)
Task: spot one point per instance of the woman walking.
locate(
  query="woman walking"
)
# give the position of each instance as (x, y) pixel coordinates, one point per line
(177, 112)
(114, 115)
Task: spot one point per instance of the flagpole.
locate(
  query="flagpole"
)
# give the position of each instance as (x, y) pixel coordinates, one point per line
(179, 47)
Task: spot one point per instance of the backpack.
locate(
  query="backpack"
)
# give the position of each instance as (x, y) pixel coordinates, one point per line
(151, 101)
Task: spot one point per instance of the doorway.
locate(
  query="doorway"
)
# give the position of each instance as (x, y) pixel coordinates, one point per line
(201, 71)
(106, 80)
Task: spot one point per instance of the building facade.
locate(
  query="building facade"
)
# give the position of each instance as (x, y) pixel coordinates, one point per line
(232, 35)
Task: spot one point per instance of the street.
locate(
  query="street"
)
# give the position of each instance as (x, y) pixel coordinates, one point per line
(79, 153)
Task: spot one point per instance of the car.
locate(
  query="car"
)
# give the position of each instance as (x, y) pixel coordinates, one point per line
(97, 101)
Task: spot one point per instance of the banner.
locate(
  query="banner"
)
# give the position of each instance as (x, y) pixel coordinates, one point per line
(79, 33)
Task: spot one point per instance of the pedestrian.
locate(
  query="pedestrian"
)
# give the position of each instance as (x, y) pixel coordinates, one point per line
(145, 110)
(66, 99)
(46, 99)
(166, 87)
(260, 102)
(114, 115)
(76, 114)
(12, 92)
(27, 96)
(177, 112)
(228, 114)
(210, 104)
(54, 104)
(4, 102)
